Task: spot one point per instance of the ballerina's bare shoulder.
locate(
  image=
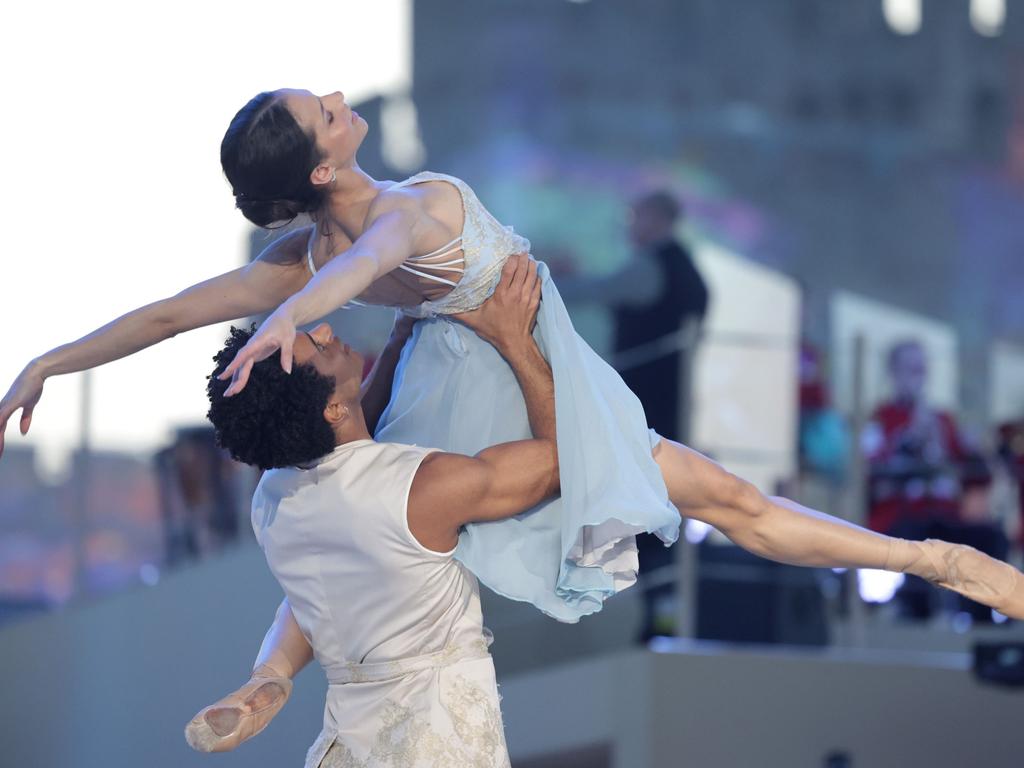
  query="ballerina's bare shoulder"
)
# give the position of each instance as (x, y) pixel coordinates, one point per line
(425, 276)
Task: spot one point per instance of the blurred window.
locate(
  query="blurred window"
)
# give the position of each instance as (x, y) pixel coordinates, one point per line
(902, 16)
(988, 16)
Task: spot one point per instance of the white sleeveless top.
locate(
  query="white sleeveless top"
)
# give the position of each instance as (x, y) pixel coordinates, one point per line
(395, 625)
(485, 245)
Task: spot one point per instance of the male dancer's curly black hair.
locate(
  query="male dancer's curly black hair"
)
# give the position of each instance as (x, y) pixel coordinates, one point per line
(277, 420)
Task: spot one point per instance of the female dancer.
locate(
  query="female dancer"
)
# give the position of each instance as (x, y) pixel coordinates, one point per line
(427, 245)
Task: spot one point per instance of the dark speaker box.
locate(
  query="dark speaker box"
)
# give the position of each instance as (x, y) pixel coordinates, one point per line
(743, 598)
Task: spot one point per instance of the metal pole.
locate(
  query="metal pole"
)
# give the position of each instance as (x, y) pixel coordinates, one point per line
(83, 484)
(855, 496)
(686, 552)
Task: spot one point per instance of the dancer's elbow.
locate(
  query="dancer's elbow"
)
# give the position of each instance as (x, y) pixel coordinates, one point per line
(740, 509)
(739, 499)
(554, 484)
(748, 500)
(161, 320)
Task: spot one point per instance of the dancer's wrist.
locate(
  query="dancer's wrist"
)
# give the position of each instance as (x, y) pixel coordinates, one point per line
(516, 349)
(288, 310)
(402, 329)
(39, 367)
(267, 670)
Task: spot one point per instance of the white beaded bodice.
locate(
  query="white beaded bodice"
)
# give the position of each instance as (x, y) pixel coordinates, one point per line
(486, 245)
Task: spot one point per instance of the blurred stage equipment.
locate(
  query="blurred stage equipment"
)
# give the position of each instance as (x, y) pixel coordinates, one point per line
(198, 498)
(1000, 663)
(742, 598)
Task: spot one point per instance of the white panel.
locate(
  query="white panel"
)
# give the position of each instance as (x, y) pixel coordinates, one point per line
(882, 325)
(1006, 397)
(745, 378)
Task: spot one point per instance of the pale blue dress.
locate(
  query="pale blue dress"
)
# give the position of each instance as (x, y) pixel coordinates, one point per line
(453, 391)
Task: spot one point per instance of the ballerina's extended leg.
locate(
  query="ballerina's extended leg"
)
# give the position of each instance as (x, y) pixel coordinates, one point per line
(961, 569)
(784, 531)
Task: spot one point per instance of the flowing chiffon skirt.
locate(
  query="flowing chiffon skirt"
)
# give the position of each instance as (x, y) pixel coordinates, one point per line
(453, 391)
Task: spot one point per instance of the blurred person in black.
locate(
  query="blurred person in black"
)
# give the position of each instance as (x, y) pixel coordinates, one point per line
(674, 297)
(658, 300)
(676, 304)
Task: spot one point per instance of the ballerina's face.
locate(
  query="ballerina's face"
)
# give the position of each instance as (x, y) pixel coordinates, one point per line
(325, 352)
(336, 128)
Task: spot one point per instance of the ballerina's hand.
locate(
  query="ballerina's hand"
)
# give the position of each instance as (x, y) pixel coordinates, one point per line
(509, 315)
(277, 332)
(24, 393)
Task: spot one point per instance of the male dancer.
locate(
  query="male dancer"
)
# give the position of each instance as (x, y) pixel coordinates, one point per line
(361, 535)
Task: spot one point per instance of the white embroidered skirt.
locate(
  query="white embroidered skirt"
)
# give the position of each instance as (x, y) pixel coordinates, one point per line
(436, 711)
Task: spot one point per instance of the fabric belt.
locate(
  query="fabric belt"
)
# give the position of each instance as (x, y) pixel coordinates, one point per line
(354, 672)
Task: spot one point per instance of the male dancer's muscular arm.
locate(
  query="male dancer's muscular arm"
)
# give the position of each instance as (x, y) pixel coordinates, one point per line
(449, 489)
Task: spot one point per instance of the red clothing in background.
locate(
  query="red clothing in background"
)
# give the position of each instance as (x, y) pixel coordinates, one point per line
(896, 495)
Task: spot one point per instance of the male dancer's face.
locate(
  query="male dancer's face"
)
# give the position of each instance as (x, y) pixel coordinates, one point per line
(325, 352)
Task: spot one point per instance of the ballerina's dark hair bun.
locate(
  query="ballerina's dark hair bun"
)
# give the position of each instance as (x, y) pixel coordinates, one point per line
(267, 158)
(265, 213)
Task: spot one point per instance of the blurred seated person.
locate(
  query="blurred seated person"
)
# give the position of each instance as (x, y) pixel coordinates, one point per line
(921, 473)
(823, 437)
(657, 299)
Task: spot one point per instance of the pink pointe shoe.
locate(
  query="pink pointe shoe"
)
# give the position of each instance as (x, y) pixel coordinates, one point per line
(240, 715)
(962, 569)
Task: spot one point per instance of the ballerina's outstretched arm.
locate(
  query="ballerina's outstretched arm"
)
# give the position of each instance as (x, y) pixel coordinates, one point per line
(784, 531)
(262, 285)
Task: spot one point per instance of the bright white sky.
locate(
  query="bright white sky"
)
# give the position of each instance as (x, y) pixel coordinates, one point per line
(112, 191)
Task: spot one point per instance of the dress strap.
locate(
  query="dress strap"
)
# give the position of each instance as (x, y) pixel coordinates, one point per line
(444, 250)
(309, 252)
(428, 276)
(312, 270)
(445, 268)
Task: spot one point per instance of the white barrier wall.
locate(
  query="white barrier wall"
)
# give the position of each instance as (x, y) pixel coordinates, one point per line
(704, 707)
(114, 682)
(745, 374)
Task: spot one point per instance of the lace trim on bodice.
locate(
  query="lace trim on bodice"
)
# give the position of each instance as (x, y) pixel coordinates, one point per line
(485, 246)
